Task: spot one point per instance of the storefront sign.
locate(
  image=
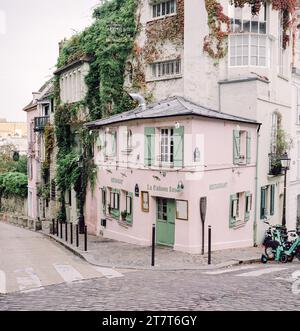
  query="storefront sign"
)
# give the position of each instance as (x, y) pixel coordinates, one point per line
(117, 181)
(166, 189)
(217, 186)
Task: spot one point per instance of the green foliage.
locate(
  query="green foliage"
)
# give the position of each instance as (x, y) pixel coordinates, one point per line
(13, 184)
(8, 164)
(109, 42)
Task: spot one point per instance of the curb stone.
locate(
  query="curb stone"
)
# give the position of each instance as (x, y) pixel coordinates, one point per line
(82, 255)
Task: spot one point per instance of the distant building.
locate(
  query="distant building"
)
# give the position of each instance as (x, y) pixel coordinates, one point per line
(14, 133)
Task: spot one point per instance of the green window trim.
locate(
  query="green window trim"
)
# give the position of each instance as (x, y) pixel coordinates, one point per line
(104, 198)
(236, 146)
(263, 202)
(115, 211)
(272, 200)
(248, 206)
(248, 148)
(129, 217)
(149, 149)
(232, 218)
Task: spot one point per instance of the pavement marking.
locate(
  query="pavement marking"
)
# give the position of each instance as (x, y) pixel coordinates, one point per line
(260, 272)
(29, 281)
(2, 282)
(109, 273)
(68, 273)
(223, 271)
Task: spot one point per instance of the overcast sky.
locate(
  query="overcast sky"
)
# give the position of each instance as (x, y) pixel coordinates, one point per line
(29, 34)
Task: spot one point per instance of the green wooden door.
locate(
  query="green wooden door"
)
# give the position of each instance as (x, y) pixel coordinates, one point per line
(165, 215)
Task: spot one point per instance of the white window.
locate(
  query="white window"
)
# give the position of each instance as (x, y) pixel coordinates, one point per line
(248, 44)
(111, 144)
(167, 69)
(283, 56)
(167, 146)
(163, 8)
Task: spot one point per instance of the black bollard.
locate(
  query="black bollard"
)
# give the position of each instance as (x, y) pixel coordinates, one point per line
(61, 230)
(57, 228)
(209, 245)
(66, 238)
(71, 232)
(153, 246)
(77, 235)
(53, 227)
(85, 238)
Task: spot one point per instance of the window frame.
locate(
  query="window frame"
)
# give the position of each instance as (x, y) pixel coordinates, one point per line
(166, 150)
(160, 70)
(155, 5)
(251, 35)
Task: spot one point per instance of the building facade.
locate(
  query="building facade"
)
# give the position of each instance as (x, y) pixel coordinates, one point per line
(154, 166)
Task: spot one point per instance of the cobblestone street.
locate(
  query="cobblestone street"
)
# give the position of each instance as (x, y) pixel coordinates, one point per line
(188, 290)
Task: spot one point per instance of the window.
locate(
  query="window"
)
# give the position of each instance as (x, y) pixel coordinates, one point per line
(166, 69)
(167, 146)
(162, 209)
(164, 8)
(283, 56)
(267, 201)
(103, 190)
(248, 38)
(274, 131)
(241, 147)
(114, 206)
(240, 208)
(129, 140)
(111, 144)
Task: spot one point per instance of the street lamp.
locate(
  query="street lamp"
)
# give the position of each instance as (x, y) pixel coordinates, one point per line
(81, 212)
(285, 163)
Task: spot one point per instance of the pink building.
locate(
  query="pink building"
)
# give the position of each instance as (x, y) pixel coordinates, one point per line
(155, 163)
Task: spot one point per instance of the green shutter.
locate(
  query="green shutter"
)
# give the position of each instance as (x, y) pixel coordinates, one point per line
(272, 199)
(178, 146)
(232, 219)
(262, 202)
(248, 147)
(129, 217)
(149, 149)
(236, 146)
(247, 206)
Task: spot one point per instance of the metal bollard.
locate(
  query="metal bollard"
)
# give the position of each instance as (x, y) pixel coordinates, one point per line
(57, 228)
(209, 244)
(71, 232)
(53, 227)
(85, 238)
(61, 230)
(66, 231)
(77, 235)
(153, 246)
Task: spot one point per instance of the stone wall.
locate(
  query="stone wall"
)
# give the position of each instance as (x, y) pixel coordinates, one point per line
(14, 205)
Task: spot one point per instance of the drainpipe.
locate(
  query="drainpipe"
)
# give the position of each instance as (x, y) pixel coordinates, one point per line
(256, 189)
(140, 99)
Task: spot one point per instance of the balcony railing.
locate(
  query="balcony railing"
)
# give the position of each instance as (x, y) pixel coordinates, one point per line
(275, 167)
(40, 123)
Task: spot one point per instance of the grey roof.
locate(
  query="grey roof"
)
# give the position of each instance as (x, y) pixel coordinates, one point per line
(174, 106)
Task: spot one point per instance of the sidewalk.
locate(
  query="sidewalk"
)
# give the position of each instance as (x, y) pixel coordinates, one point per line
(113, 254)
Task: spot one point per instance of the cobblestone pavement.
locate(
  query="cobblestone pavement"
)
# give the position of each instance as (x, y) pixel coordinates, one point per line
(255, 287)
(111, 253)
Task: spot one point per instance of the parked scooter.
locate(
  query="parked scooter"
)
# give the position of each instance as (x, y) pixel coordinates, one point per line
(277, 245)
